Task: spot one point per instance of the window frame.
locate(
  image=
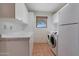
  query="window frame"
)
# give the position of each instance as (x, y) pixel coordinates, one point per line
(40, 18)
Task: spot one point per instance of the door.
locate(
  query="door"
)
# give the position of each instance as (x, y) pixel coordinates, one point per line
(68, 41)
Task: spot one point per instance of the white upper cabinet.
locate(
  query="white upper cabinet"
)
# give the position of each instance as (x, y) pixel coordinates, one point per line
(69, 14)
(16, 11)
(21, 12)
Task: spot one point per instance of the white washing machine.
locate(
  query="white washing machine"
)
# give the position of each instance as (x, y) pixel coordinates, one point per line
(52, 41)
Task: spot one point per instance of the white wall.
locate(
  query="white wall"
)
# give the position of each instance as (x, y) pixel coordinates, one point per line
(40, 34)
(11, 26)
(53, 23)
(31, 23)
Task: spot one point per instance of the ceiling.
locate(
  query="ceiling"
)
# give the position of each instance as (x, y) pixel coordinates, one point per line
(44, 7)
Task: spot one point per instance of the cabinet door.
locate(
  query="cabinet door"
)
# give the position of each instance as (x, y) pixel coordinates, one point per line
(3, 47)
(21, 12)
(7, 10)
(18, 47)
(69, 13)
(68, 40)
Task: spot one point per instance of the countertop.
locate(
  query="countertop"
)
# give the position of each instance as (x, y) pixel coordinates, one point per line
(17, 35)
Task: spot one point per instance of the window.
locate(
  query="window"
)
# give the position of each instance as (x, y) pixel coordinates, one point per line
(41, 21)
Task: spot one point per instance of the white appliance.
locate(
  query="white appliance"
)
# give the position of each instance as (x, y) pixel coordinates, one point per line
(68, 39)
(52, 41)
